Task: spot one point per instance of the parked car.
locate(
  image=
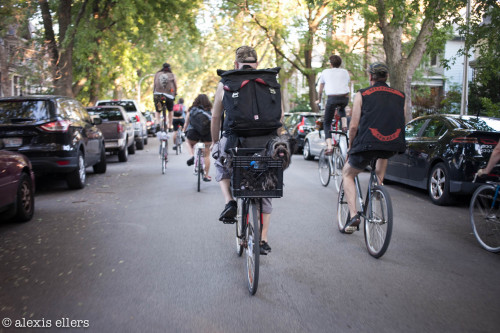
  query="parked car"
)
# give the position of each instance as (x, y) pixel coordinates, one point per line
(443, 152)
(150, 122)
(117, 128)
(56, 133)
(17, 186)
(314, 142)
(132, 107)
(299, 124)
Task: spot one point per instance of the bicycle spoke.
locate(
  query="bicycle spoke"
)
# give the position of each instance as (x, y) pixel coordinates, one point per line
(484, 216)
(378, 222)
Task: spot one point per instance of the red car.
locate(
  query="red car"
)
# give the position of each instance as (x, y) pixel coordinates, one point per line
(17, 186)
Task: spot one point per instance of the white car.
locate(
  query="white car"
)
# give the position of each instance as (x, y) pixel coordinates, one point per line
(314, 142)
(132, 108)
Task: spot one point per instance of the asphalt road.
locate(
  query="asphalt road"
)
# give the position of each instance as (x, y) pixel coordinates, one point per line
(137, 251)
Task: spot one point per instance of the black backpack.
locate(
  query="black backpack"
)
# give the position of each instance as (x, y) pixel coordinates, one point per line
(200, 120)
(252, 101)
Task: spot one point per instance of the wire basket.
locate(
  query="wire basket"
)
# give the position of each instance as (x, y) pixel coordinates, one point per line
(256, 176)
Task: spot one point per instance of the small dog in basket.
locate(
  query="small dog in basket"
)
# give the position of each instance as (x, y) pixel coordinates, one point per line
(282, 148)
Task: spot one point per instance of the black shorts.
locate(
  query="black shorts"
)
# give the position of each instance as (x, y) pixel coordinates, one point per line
(362, 159)
(177, 122)
(195, 136)
(158, 103)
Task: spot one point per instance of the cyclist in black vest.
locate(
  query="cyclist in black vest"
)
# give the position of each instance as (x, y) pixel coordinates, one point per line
(376, 130)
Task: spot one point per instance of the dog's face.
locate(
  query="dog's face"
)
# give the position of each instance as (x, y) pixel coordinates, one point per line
(282, 148)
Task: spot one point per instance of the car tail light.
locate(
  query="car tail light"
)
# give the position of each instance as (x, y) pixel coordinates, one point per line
(486, 141)
(62, 162)
(56, 126)
(464, 140)
(120, 128)
(137, 118)
(300, 127)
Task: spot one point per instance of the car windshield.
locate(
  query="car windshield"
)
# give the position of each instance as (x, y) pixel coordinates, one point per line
(310, 121)
(127, 105)
(107, 115)
(12, 112)
(477, 123)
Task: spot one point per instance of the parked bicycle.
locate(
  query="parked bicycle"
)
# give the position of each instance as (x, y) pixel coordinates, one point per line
(199, 162)
(376, 212)
(254, 178)
(331, 165)
(484, 213)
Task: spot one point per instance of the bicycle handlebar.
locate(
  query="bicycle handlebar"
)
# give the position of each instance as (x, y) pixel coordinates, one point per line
(341, 133)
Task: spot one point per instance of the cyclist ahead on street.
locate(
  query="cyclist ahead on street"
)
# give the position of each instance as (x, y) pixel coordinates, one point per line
(165, 89)
(179, 116)
(246, 58)
(377, 130)
(335, 82)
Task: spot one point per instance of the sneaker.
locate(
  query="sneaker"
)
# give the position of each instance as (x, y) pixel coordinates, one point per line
(264, 248)
(352, 225)
(190, 161)
(230, 211)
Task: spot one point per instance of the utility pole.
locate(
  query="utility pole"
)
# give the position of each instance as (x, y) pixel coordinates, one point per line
(465, 83)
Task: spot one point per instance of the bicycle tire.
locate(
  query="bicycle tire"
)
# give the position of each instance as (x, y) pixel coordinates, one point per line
(253, 247)
(162, 157)
(343, 214)
(241, 221)
(199, 168)
(337, 166)
(485, 221)
(324, 168)
(378, 222)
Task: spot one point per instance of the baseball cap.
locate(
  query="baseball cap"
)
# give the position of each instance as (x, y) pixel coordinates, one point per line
(166, 65)
(378, 68)
(246, 54)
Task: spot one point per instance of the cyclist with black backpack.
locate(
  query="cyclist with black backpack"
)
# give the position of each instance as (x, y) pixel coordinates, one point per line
(248, 107)
(164, 92)
(197, 128)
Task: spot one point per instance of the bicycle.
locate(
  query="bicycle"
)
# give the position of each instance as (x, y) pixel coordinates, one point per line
(376, 212)
(178, 141)
(250, 183)
(331, 165)
(163, 151)
(484, 215)
(199, 162)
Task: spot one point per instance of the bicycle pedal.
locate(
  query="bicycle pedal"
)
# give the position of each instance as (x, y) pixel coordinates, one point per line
(229, 221)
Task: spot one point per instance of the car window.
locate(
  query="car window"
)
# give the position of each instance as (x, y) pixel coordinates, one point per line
(435, 128)
(414, 127)
(24, 111)
(127, 105)
(81, 110)
(310, 121)
(107, 114)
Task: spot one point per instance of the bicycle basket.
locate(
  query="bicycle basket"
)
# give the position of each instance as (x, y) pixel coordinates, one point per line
(256, 176)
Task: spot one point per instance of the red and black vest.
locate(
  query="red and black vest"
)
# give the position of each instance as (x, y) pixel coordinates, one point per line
(382, 122)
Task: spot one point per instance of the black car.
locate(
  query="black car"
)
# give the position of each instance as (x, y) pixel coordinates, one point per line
(56, 133)
(299, 124)
(443, 152)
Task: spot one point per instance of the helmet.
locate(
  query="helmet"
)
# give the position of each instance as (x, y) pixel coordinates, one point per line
(378, 68)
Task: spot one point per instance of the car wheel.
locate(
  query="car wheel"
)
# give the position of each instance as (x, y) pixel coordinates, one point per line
(25, 199)
(123, 154)
(306, 152)
(439, 185)
(140, 144)
(131, 149)
(101, 166)
(76, 179)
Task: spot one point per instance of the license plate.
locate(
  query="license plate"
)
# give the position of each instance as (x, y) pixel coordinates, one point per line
(12, 142)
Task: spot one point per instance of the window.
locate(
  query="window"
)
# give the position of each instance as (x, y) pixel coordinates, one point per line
(434, 60)
(413, 128)
(434, 129)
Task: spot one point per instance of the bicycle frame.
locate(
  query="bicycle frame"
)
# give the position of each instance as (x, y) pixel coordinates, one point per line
(373, 181)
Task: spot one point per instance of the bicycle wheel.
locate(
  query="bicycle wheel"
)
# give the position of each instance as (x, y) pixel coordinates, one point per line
(324, 168)
(483, 211)
(378, 222)
(253, 248)
(199, 168)
(343, 214)
(162, 157)
(337, 166)
(241, 222)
